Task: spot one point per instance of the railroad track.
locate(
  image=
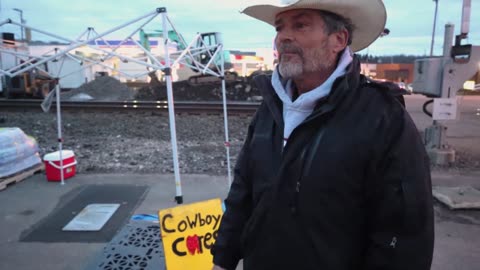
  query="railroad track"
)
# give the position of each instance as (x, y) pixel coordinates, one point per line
(213, 107)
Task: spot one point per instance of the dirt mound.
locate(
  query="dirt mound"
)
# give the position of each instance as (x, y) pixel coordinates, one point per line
(101, 89)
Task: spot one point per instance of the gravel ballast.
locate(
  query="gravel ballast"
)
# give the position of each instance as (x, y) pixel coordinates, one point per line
(135, 143)
(140, 143)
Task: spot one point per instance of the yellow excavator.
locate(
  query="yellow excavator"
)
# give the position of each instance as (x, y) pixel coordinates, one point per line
(33, 83)
(192, 75)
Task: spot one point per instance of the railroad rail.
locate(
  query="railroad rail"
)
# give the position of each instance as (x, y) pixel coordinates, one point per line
(212, 107)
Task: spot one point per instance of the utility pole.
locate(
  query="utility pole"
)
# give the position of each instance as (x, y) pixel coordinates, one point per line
(21, 21)
(434, 25)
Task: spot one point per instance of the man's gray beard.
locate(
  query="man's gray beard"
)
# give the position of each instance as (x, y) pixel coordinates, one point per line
(311, 60)
(290, 70)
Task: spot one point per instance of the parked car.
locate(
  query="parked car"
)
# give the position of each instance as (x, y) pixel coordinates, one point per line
(401, 85)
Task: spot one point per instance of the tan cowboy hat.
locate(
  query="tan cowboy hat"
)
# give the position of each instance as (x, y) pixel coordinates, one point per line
(368, 16)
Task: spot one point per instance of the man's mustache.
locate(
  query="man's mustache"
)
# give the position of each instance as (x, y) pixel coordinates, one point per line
(289, 48)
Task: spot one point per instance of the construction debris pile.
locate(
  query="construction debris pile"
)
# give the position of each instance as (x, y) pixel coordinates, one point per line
(101, 89)
(110, 89)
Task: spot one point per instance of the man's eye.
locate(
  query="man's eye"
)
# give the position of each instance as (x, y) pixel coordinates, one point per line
(300, 25)
(278, 28)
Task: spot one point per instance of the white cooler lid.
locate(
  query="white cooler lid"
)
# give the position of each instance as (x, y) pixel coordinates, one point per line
(55, 156)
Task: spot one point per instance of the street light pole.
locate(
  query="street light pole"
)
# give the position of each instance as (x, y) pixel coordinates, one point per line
(21, 21)
(434, 25)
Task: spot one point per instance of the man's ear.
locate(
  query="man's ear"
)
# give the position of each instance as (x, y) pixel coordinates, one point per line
(339, 40)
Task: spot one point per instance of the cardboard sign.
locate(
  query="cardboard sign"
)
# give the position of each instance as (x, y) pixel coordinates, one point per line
(444, 109)
(188, 233)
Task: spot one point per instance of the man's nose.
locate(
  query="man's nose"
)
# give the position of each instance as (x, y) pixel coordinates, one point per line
(284, 35)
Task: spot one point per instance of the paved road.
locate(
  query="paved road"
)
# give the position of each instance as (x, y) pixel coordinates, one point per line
(468, 122)
(464, 133)
(467, 104)
(457, 245)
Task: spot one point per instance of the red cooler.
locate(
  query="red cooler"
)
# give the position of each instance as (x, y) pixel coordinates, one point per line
(52, 165)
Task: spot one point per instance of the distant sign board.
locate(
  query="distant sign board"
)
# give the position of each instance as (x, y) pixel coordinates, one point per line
(444, 109)
(188, 233)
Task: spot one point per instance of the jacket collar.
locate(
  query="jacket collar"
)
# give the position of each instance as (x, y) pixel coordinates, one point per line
(342, 85)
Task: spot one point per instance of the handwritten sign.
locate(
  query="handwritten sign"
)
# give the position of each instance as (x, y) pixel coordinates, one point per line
(188, 233)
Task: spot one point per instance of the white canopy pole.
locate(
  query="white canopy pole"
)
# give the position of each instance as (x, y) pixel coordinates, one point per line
(59, 123)
(79, 44)
(225, 114)
(59, 131)
(40, 31)
(171, 111)
(212, 59)
(186, 50)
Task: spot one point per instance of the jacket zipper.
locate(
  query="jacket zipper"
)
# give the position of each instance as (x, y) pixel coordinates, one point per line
(296, 194)
(393, 243)
(304, 159)
(295, 198)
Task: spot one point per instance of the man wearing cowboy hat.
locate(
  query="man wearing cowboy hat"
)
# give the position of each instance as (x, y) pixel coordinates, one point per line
(333, 174)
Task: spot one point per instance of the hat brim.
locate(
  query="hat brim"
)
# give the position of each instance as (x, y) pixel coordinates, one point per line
(368, 16)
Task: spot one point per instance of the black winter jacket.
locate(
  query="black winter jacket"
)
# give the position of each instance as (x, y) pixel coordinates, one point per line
(351, 190)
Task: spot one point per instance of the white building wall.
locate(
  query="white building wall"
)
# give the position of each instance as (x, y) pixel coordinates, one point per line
(70, 72)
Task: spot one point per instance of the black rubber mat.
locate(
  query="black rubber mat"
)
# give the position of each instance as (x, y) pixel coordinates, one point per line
(50, 228)
(137, 246)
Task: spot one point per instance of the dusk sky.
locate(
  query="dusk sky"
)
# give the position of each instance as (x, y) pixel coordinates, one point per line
(410, 21)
